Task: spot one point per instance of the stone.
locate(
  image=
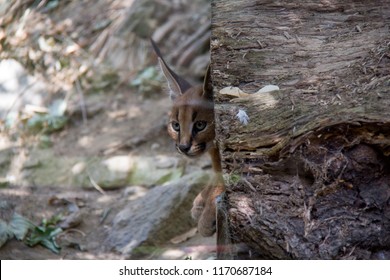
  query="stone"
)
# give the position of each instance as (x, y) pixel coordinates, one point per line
(125, 170)
(18, 88)
(159, 215)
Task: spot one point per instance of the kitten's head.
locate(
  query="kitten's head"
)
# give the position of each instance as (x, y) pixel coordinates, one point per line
(191, 122)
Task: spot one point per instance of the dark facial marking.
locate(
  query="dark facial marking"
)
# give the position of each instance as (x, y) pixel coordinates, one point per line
(194, 114)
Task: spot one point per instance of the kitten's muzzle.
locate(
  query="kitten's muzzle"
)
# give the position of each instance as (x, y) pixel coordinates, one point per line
(184, 148)
(190, 150)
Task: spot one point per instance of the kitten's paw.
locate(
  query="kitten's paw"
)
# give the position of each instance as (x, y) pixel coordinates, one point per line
(197, 207)
(204, 208)
(207, 221)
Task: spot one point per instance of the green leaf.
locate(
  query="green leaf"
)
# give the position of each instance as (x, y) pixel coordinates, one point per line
(54, 220)
(44, 236)
(147, 81)
(149, 73)
(55, 123)
(19, 226)
(5, 233)
(49, 122)
(51, 245)
(51, 5)
(58, 108)
(36, 122)
(24, 229)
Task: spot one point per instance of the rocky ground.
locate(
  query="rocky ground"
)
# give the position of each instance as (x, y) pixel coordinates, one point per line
(131, 191)
(83, 149)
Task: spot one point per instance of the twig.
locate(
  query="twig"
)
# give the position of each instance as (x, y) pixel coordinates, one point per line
(96, 186)
(72, 230)
(262, 46)
(105, 214)
(244, 180)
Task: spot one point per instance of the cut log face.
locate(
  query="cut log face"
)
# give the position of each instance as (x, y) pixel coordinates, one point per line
(308, 171)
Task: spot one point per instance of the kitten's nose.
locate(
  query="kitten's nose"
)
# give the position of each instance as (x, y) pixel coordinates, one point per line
(184, 148)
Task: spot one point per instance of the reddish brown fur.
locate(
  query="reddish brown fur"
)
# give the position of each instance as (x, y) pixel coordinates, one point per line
(192, 108)
(187, 109)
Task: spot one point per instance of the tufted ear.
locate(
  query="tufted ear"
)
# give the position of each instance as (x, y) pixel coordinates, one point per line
(177, 85)
(207, 85)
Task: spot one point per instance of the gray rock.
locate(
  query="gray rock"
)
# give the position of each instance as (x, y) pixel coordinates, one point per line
(124, 170)
(164, 212)
(134, 192)
(18, 88)
(113, 172)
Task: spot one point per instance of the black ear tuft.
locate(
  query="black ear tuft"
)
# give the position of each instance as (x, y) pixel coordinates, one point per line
(177, 84)
(207, 84)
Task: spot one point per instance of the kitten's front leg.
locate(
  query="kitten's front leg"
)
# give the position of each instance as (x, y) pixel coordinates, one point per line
(204, 207)
(198, 206)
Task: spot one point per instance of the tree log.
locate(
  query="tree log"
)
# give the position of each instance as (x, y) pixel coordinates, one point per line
(308, 176)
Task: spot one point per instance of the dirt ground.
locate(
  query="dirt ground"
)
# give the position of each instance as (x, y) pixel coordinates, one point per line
(123, 118)
(69, 49)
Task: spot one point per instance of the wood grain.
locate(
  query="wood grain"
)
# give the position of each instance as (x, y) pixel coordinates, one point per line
(313, 148)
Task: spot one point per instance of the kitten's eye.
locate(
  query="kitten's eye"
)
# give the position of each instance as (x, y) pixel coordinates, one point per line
(175, 126)
(200, 125)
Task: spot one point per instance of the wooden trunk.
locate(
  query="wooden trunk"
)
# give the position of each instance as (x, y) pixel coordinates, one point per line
(308, 177)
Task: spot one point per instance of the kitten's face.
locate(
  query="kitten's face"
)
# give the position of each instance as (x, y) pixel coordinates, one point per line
(191, 123)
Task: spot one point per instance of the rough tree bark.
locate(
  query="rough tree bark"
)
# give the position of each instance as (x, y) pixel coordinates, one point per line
(309, 176)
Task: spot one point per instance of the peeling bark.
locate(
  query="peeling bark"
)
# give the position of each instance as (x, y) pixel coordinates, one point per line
(309, 176)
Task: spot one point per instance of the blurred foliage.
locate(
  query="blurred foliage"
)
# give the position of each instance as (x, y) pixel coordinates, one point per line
(45, 234)
(232, 179)
(24, 230)
(51, 121)
(40, 122)
(148, 81)
(50, 41)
